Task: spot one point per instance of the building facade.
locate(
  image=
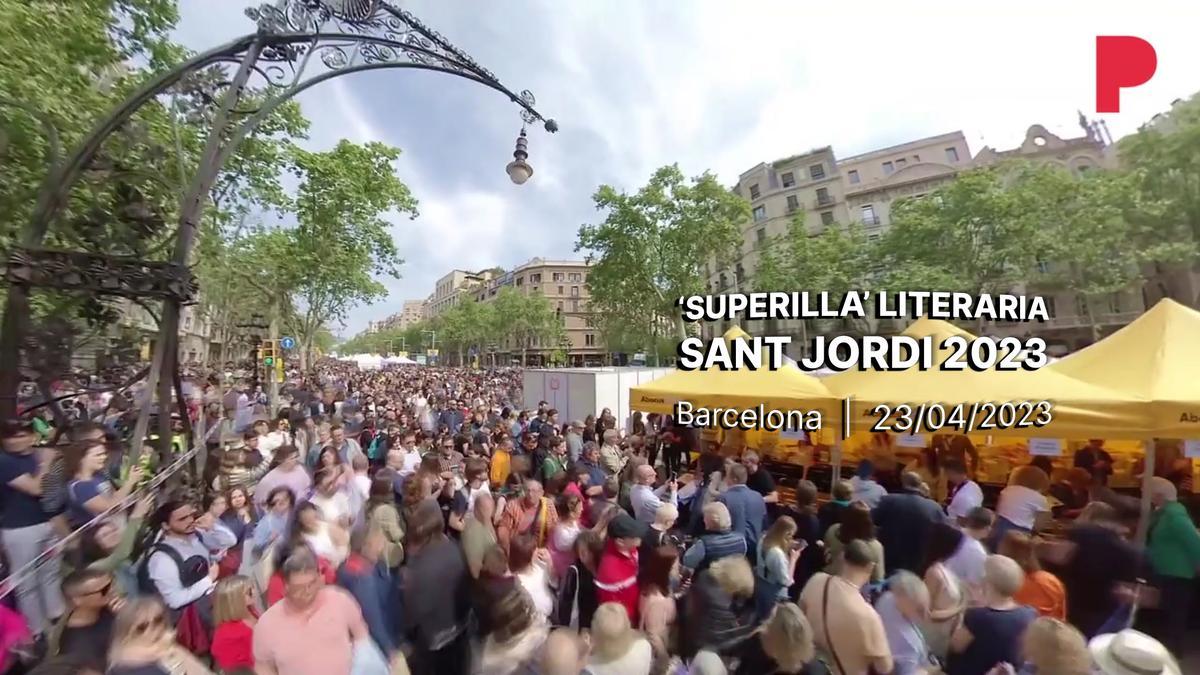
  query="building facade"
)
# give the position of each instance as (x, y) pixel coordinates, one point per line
(451, 289)
(824, 190)
(564, 284)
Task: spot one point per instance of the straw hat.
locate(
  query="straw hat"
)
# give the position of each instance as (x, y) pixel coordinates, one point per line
(1131, 652)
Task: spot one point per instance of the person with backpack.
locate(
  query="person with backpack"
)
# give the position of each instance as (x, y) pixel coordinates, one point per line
(180, 566)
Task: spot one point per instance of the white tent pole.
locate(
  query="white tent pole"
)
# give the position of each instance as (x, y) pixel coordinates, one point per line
(1147, 474)
(835, 458)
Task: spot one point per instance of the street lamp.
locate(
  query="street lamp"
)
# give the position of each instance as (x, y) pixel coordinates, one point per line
(297, 45)
(518, 169)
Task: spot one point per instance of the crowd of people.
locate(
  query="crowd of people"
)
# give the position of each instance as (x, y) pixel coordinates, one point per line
(420, 520)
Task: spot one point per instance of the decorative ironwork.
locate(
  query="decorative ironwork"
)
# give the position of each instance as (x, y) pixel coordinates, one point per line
(359, 34)
(100, 274)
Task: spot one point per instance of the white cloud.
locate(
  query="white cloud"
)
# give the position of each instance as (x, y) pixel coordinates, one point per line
(718, 85)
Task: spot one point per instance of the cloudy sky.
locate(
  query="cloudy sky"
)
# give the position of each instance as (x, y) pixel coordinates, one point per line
(710, 84)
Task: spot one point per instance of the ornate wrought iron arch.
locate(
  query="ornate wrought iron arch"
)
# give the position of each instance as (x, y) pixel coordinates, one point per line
(298, 44)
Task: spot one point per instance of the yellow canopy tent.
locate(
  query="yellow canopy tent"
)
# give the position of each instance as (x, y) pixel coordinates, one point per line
(1154, 358)
(785, 389)
(1080, 409)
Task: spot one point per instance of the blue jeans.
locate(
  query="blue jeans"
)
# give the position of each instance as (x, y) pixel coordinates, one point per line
(1002, 527)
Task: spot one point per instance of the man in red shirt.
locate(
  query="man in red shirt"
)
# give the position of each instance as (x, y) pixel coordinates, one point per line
(616, 576)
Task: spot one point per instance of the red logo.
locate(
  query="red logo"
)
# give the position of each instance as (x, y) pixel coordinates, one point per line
(1122, 62)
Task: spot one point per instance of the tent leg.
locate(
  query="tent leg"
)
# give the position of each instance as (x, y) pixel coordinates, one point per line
(1147, 475)
(835, 458)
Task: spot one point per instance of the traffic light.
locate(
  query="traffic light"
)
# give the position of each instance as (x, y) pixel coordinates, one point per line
(270, 352)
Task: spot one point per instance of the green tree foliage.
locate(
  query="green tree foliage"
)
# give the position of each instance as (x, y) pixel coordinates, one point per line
(525, 320)
(651, 247)
(1163, 158)
(838, 260)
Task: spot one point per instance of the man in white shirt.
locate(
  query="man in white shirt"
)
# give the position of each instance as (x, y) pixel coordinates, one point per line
(965, 494)
(645, 499)
(189, 534)
(968, 561)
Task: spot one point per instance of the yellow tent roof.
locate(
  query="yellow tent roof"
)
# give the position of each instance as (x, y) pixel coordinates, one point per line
(1079, 409)
(785, 389)
(1153, 358)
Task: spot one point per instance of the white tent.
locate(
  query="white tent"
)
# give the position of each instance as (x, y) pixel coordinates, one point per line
(399, 361)
(367, 361)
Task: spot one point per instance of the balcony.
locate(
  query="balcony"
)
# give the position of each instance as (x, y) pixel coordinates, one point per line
(822, 202)
(870, 220)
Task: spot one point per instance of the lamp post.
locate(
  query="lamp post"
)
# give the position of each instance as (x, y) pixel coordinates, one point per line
(297, 45)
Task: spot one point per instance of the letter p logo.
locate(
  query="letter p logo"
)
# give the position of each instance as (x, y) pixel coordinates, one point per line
(1122, 62)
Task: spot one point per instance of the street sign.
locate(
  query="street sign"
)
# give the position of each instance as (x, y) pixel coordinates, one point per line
(287, 343)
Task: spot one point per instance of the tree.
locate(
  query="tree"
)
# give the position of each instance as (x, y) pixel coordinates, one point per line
(838, 260)
(651, 247)
(523, 320)
(1093, 243)
(979, 234)
(1161, 159)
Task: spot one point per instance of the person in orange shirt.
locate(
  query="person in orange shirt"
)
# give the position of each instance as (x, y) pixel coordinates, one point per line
(501, 463)
(1042, 590)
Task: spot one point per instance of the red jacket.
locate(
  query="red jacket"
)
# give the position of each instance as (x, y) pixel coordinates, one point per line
(616, 579)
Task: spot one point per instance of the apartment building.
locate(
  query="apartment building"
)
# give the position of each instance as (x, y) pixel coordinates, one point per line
(451, 289)
(564, 284)
(874, 180)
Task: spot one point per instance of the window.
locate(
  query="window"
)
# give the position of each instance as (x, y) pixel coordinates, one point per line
(739, 273)
(901, 163)
(1043, 267)
(560, 290)
(574, 291)
(952, 155)
(793, 203)
(754, 191)
(789, 179)
(827, 218)
(760, 236)
(916, 158)
(589, 340)
(558, 276)
(1051, 309)
(520, 281)
(823, 197)
(535, 278)
(873, 237)
(1114, 303)
(760, 213)
(1081, 305)
(560, 305)
(888, 168)
(574, 305)
(854, 179)
(574, 277)
(868, 215)
(816, 171)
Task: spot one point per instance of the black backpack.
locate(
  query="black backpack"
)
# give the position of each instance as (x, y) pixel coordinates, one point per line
(191, 570)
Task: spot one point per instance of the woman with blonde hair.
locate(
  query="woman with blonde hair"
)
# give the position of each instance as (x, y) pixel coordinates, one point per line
(783, 646)
(617, 649)
(778, 554)
(143, 642)
(718, 607)
(234, 616)
(1052, 646)
(517, 637)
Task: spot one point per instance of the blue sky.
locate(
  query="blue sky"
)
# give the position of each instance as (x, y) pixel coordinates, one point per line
(710, 84)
